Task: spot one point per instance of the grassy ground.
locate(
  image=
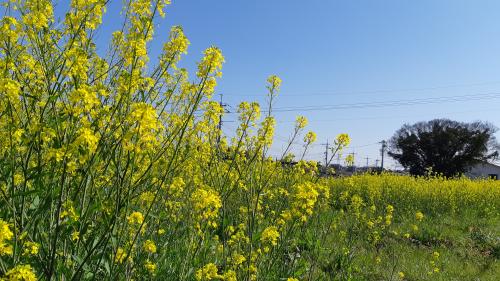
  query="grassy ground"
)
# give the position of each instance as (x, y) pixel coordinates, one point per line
(458, 237)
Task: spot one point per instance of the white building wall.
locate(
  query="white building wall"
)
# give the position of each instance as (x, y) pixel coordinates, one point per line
(484, 170)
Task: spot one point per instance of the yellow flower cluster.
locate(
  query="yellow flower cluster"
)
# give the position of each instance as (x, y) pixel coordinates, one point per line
(150, 267)
(38, 13)
(300, 122)
(149, 246)
(206, 204)
(87, 140)
(310, 137)
(136, 218)
(388, 216)
(342, 140)
(120, 255)
(304, 200)
(175, 46)
(208, 272)
(211, 272)
(31, 248)
(434, 263)
(117, 157)
(20, 273)
(5, 236)
(10, 90)
(83, 98)
(8, 31)
(419, 216)
(423, 193)
(266, 132)
(86, 12)
(68, 211)
(209, 69)
(270, 235)
(274, 83)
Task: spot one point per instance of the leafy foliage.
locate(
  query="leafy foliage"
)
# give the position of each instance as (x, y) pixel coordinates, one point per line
(114, 166)
(444, 146)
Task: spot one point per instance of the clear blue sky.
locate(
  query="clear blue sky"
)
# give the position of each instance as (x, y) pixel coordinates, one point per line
(347, 52)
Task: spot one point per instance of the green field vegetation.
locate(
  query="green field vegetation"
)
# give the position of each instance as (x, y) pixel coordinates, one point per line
(115, 167)
(457, 238)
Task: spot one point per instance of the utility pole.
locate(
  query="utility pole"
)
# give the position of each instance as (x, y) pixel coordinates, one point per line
(367, 159)
(376, 162)
(352, 164)
(382, 152)
(219, 126)
(327, 147)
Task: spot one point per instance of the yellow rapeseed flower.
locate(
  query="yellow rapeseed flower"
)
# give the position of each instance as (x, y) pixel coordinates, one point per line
(22, 272)
(75, 236)
(149, 246)
(136, 218)
(274, 82)
(31, 248)
(39, 13)
(342, 140)
(300, 122)
(206, 203)
(5, 236)
(120, 255)
(310, 137)
(150, 267)
(419, 216)
(9, 89)
(208, 272)
(270, 234)
(238, 259)
(435, 255)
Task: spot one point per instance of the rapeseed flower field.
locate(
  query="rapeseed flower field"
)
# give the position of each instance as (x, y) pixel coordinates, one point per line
(114, 167)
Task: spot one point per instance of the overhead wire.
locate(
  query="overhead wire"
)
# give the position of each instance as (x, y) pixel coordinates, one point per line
(384, 117)
(444, 99)
(380, 91)
(395, 103)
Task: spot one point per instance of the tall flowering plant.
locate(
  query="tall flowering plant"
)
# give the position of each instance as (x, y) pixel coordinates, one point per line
(115, 167)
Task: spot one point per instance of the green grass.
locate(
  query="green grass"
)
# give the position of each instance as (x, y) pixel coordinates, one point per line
(467, 240)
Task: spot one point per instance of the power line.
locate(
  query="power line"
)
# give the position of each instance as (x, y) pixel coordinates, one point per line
(444, 99)
(384, 104)
(364, 145)
(371, 91)
(386, 117)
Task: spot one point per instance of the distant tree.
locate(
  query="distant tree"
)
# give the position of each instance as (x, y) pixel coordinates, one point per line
(445, 146)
